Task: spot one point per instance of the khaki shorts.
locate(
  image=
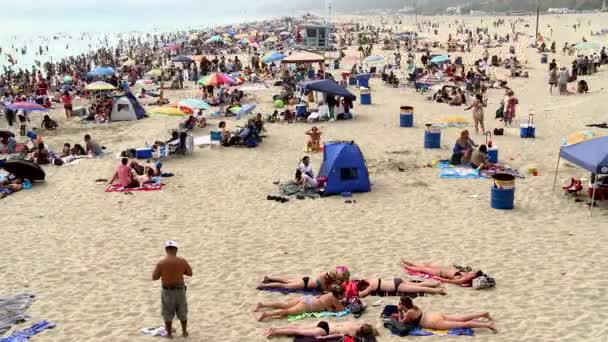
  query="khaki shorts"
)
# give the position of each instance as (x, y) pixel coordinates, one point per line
(173, 302)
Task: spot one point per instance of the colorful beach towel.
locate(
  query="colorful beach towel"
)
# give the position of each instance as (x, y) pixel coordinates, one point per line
(146, 187)
(318, 315)
(428, 276)
(25, 334)
(448, 171)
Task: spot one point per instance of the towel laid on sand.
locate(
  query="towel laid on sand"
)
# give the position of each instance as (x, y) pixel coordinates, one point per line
(12, 310)
(155, 331)
(288, 291)
(146, 187)
(389, 310)
(448, 171)
(292, 189)
(428, 276)
(25, 334)
(318, 315)
(335, 339)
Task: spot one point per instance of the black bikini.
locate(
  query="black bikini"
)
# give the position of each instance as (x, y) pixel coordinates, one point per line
(417, 320)
(306, 280)
(325, 326)
(397, 282)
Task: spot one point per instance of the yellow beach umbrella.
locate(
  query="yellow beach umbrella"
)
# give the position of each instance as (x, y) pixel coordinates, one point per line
(154, 73)
(99, 86)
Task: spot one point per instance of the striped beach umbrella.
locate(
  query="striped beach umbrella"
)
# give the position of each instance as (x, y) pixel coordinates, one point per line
(216, 79)
(26, 107)
(194, 104)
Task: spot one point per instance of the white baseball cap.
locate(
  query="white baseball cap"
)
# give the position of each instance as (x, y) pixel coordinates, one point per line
(171, 243)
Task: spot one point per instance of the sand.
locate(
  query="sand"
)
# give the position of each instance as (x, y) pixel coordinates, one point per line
(88, 255)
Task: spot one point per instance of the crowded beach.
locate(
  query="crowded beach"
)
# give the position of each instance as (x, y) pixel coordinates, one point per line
(437, 176)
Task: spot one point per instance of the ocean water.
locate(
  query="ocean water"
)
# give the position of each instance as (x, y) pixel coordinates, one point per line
(72, 32)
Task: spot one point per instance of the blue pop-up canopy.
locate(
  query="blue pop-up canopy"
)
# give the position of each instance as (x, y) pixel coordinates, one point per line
(328, 87)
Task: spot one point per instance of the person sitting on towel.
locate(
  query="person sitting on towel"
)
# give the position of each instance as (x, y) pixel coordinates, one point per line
(463, 149)
(410, 313)
(323, 330)
(479, 158)
(124, 175)
(305, 181)
(333, 302)
(444, 274)
(306, 167)
(396, 287)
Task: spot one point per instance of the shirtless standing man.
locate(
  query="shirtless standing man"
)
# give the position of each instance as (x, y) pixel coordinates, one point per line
(171, 271)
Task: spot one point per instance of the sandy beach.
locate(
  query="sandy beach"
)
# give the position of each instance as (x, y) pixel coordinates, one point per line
(89, 255)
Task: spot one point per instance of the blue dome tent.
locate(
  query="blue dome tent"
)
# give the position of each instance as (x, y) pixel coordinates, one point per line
(344, 168)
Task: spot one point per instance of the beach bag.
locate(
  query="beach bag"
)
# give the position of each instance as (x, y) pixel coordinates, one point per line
(499, 131)
(500, 113)
(398, 328)
(456, 159)
(485, 281)
(355, 307)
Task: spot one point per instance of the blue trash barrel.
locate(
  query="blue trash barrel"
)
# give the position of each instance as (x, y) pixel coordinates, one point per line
(365, 96)
(432, 139)
(352, 81)
(527, 131)
(544, 58)
(406, 119)
(502, 199)
(493, 155)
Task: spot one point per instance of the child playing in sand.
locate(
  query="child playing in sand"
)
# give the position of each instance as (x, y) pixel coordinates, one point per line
(314, 144)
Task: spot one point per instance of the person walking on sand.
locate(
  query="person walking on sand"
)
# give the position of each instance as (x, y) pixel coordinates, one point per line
(171, 271)
(477, 106)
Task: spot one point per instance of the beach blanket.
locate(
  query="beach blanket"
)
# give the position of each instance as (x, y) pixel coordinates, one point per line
(318, 315)
(25, 334)
(291, 188)
(146, 187)
(428, 276)
(288, 291)
(448, 171)
(12, 310)
(334, 339)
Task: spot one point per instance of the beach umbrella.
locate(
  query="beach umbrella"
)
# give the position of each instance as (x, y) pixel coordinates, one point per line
(587, 46)
(581, 136)
(271, 39)
(273, 57)
(182, 59)
(216, 79)
(171, 47)
(99, 86)
(244, 41)
(129, 62)
(440, 59)
(154, 73)
(194, 104)
(284, 33)
(26, 107)
(428, 79)
(102, 71)
(4, 134)
(214, 39)
(24, 169)
(228, 40)
(67, 79)
(374, 60)
(245, 110)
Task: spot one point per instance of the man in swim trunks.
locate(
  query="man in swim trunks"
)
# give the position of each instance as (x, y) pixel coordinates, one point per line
(171, 271)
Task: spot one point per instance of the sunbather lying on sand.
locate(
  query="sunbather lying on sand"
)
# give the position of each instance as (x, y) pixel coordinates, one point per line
(410, 313)
(328, 302)
(396, 287)
(321, 283)
(442, 273)
(10, 185)
(324, 330)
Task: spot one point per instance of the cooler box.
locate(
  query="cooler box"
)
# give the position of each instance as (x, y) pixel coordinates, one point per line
(493, 155)
(301, 110)
(365, 96)
(406, 118)
(143, 153)
(527, 130)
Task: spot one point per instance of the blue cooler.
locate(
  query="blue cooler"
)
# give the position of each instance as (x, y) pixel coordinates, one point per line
(527, 131)
(143, 153)
(502, 199)
(301, 110)
(493, 155)
(366, 96)
(432, 139)
(352, 81)
(406, 118)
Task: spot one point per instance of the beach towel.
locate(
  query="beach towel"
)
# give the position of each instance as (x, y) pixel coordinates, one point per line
(448, 171)
(12, 310)
(155, 331)
(428, 276)
(288, 291)
(291, 188)
(389, 310)
(146, 187)
(25, 334)
(204, 140)
(318, 315)
(334, 339)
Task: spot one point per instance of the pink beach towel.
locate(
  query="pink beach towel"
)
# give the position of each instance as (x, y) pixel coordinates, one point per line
(146, 187)
(428, 276)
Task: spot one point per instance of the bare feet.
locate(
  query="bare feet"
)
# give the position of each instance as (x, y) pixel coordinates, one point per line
(185, 334)
(488, 316)
(257, 307)
(443, 291)
(405, 263)
(492, 326)
(261, 317)
(269, 332)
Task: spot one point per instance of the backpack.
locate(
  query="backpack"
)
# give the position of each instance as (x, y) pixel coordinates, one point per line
(499, 131)
(398, 328)
(485, 281)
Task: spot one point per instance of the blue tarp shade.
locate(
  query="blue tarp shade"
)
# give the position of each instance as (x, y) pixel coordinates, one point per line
(102, 71)
(591, 155)
(345, 168)
(328, 87)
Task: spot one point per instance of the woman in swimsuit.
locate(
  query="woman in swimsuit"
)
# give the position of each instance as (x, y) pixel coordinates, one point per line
(327, 302)
(323, 282)
(396, 287)
(323, 329)
(410, 313)
(443, 274)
